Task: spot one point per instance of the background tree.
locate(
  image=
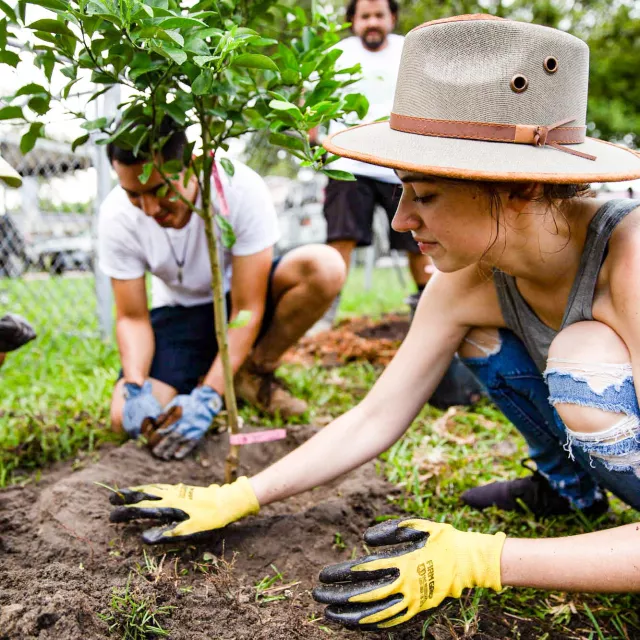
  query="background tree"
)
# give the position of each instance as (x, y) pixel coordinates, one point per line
(229, 67)
(612, 30)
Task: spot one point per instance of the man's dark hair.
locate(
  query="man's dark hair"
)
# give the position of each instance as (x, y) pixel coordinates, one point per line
(351, 9)
(173, 148)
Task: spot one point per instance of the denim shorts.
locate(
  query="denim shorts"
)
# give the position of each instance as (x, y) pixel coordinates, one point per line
(577, 465)
(185, 340)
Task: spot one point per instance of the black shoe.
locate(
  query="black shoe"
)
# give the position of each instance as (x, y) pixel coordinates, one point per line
(458, 387)
(534, 492)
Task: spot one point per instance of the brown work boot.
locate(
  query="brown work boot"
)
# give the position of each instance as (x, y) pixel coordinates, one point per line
(266, 392)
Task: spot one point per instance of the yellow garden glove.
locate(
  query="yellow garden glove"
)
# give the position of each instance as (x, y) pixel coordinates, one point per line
(427, 563)
(196, 510)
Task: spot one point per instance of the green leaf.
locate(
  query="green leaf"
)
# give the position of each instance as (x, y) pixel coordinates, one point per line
(228, 235)
(203, 83)
(94, 125)
(10, 113)
(147, 170)
(175, 36)
(8, 11)
(228, 167)
(10, 58)
(290, 108)
(254, 61)
(288, 57)
(172, 166)
(28, 140)
(289, 76)
(339, 175)
(177, 55)
(176, 112)
(196, 45)
(241, 320)
(263, 42)
(30, 89)
(287, 141)
(39, 104)
(202, 60)
(51, 26)
(55, 5)
(70, 72)
(181, 23)
(79, 141)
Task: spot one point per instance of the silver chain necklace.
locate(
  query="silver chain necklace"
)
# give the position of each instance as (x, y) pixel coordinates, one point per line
(179, 263)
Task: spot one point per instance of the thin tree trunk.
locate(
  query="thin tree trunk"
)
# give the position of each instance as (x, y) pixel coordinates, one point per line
(219, 306)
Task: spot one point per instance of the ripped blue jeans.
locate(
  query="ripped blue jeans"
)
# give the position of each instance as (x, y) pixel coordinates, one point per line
(577, 465)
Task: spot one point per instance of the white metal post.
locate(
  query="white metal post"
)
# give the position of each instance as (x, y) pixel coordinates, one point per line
(107, 107)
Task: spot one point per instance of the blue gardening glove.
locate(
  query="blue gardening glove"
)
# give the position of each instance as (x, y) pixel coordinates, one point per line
(140, 403)
(188, 419)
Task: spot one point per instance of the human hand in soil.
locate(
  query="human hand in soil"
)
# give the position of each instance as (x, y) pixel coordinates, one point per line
(179, 431)
(139, 403)
(15, 332)
(197, 510)
(426, 563)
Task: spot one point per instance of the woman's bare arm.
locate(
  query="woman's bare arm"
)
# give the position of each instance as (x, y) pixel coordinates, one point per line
(604, 561)
(371, 427)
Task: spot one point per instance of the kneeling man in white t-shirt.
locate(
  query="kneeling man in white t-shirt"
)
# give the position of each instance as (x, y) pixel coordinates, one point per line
(169, 355)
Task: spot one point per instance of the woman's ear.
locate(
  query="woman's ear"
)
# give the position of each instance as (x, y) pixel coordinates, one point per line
(521, 194)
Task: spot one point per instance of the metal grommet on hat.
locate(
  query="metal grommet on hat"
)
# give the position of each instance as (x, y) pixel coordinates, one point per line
(518, 83)
(550, 64)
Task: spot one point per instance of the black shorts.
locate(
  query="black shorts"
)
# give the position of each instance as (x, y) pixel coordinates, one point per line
(349, 207)
(186, 344)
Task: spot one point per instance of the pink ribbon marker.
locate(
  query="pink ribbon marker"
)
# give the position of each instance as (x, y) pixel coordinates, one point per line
(224, 207)
(238, 439)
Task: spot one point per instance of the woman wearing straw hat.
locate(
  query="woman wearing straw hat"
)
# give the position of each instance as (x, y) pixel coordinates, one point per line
(537, 289)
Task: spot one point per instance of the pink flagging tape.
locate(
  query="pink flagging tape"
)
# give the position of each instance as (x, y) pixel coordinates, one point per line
(224, 207)
(238, 439)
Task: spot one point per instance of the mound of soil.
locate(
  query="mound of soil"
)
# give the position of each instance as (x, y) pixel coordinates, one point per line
(60, 558)
(355, 339)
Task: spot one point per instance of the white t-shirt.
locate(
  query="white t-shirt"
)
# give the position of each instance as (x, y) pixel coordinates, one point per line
(378, 84)
(131, 243)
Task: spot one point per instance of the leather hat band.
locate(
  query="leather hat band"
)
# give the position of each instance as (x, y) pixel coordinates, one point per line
(553, 135)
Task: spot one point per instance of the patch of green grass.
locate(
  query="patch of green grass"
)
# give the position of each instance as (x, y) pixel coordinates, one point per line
(268, 589)
(56, 391)
(385, 296)
(134, 616)
(54, 402)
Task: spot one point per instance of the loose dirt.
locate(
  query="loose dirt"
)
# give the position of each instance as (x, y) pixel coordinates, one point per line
(60, 558)
(356, 339)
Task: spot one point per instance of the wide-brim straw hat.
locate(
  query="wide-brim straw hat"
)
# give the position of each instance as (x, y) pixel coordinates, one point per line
(484, 98)
(9, 175)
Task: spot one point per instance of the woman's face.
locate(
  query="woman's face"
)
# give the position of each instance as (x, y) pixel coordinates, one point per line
(450, 221)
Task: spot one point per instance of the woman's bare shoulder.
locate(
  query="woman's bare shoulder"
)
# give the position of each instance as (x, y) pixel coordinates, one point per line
(468, 296)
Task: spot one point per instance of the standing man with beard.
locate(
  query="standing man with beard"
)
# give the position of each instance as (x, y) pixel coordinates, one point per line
(349, 206)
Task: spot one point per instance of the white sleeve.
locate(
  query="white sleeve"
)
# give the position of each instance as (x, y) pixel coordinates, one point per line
(252, 212)
(120, 254)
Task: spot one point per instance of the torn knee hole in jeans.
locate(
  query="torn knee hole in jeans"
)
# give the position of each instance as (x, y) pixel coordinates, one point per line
(598, 375)
(617, 447)
(604, 386)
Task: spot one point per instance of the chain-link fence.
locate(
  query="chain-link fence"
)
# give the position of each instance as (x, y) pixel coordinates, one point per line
(47, 248)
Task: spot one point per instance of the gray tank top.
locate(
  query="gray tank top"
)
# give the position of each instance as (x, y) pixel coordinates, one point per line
(519, 316)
